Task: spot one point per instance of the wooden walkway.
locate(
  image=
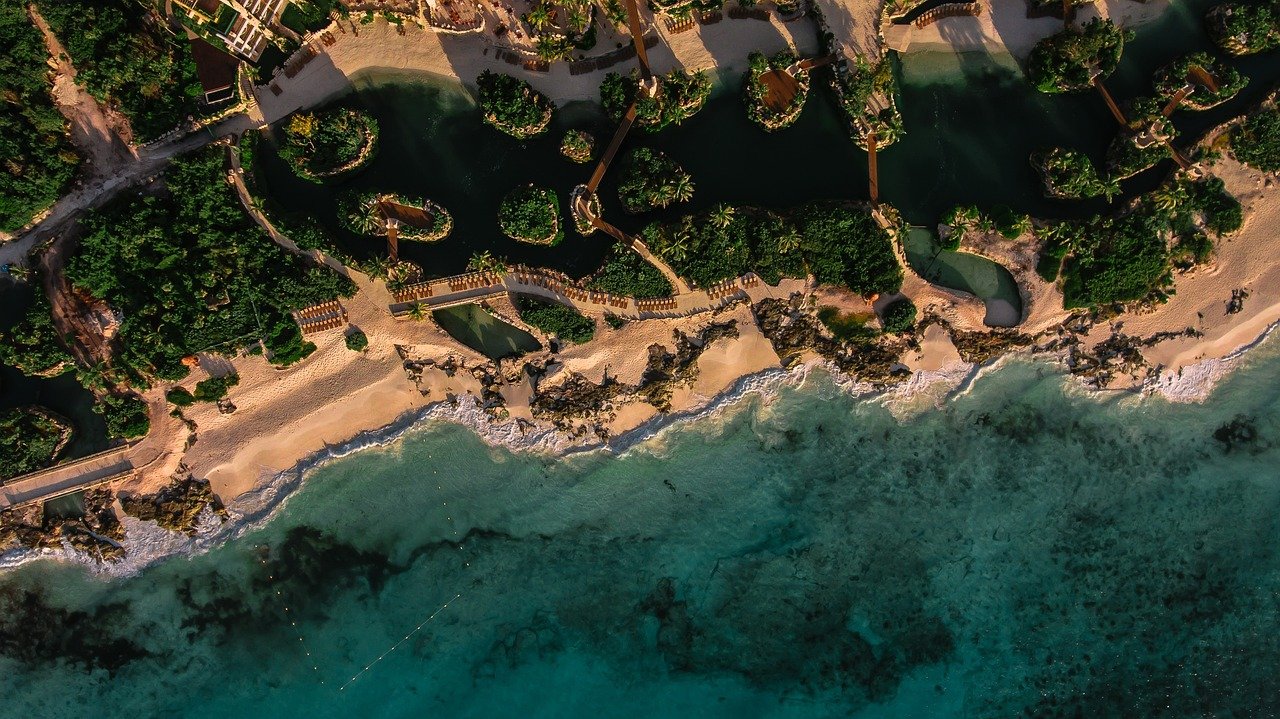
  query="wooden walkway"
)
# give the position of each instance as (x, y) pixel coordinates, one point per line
(64, 479)
(612, 150)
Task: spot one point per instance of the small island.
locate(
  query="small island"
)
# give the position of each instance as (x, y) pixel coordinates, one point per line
(867, 93)
(578, 146)
(681, 95)
(775, 94)
(531, 214)
(325, 145)
(1245, 28)
(651, 180)
(1070, 175)
(512, 105)
(375, 213)
(1070, 60)
(1173, 77)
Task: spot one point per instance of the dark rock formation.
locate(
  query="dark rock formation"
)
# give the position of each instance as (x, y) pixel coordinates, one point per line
(794, 329)
(176, 507)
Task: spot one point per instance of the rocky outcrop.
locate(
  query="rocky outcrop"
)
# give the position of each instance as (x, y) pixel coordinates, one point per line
(177, 507)
(794, 329)
(96, 531)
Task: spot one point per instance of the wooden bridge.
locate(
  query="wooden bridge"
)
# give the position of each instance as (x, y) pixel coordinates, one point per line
(67, 478)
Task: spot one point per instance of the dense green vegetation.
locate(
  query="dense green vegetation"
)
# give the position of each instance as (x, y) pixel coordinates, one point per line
(625, 273)
(356, 341)
(1130, 257)
(1257, 141)
(215, 388)
(1070, 174)
(1067, 62)
(1173, 77)
(303, 16)
(365, 213)
(1125, 158)
(124, 56)
(756, 90)
(29, 439)
(555, 319)
(681, 96)
(33, 345)
(846, 327)
(899, 316)
(190, 272)
(180, 396)
(36, 159)
(126, 415)
(578, 146)
(512, 105)
(1245, 28)
(867, 95)
(531, 214)
(838, 243)
(329, 143)
(651, 180)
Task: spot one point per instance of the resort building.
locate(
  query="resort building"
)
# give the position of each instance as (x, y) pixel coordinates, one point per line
(244, 27)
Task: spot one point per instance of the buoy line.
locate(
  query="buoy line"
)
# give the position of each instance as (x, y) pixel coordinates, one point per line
(397, 644)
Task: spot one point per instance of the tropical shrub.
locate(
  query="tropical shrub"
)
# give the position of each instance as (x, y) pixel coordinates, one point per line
(512, 105)
(626, 274)
(1126, 159)
(846, 327)
(651, 180)
(1257, 141)
(531, 214)
(1067, 61)
(898, 316)
(356, 341)
(1245, 28)
(556, 319)
(1069, 174)
(578, 146)
(125, 57)
(1118, 260)
(30, 439)
(37, 160)
(127, 416)
(215, 388)
(681, 96)
(33, 345)
(180, 396)
(327, 144)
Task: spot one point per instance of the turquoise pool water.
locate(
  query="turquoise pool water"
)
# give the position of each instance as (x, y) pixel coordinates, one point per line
(484, 333)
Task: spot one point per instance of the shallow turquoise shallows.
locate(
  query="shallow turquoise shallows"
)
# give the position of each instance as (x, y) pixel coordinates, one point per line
(1026, 550)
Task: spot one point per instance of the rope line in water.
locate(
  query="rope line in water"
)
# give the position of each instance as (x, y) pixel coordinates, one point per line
(292, 622)
(397, 644)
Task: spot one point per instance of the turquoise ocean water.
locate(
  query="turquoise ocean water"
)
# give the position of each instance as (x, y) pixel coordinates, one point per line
(1024, 550)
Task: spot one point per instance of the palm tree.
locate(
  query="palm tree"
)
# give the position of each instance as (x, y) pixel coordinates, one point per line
(577, 20)
(682, 188)
(552, 48)
(788, 241)
(540, 18)
(722, 216)
(417, 311)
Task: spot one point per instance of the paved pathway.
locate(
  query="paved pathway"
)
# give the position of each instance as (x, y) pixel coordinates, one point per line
(66, 478)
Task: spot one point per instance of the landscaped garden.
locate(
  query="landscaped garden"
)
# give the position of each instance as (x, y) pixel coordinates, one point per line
(650, 180)
(1068, 174)
(370, 213)
(531, 214)
(768, 83)
(512, 105)
(681, 96)
(555, 319)
(867, 95)
(30, 439)
(327, 144)
(1069, 60)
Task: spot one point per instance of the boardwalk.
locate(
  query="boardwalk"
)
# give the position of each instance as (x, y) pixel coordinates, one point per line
(67, 478)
